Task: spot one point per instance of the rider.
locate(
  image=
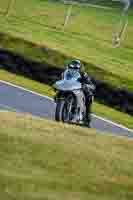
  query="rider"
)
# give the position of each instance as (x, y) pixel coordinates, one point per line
(75, 66)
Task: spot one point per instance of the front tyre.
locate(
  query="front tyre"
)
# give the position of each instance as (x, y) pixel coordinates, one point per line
(65, 109)
(59, 110)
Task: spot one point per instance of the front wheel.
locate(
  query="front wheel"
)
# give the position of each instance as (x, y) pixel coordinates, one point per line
(59, 110)
(65, 109)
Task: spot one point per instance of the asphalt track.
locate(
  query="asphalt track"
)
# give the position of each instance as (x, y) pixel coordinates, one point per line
(22, 100)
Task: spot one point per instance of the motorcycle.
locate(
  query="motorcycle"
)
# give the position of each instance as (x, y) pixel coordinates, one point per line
(70, 99)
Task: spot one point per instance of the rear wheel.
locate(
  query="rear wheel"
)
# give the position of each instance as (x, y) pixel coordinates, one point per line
(88, 114)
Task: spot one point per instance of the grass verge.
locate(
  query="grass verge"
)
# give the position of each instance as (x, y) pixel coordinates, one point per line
(87, 36)
(41, 159)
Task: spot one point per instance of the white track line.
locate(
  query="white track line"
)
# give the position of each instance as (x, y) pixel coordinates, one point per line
(113, 123)
(27, 90)
(9, 108)
(51, 99)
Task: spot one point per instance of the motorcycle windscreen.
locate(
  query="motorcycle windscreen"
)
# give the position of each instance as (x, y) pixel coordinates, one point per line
(71, 75)
(67, 85)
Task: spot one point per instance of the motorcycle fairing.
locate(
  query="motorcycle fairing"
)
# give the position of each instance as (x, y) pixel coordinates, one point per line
(67, 85)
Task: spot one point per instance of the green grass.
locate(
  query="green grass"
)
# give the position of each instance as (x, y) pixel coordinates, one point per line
(43, 160)
(4, 6)
(88, 36)
(44, 89)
